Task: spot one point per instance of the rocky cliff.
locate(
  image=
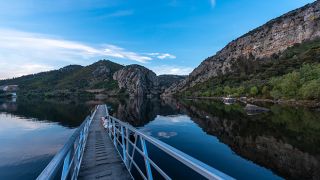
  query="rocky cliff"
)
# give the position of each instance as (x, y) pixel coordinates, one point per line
(137, 80)
(270, 39)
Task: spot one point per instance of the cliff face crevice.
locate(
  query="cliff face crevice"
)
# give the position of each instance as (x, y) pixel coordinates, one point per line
(272, 38)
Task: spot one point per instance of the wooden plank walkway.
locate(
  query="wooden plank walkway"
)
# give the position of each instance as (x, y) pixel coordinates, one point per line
(101, 160)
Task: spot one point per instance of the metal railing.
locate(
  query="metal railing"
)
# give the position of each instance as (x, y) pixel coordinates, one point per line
(127, 141)
(66, 163)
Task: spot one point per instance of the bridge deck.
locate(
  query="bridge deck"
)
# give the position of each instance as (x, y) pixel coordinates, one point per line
(100, 159)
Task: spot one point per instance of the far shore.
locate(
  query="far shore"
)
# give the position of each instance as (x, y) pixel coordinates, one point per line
(291, 102)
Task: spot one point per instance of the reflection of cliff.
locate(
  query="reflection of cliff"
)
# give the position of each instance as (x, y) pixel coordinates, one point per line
(256, 139)
(140, 111)
(137, 111)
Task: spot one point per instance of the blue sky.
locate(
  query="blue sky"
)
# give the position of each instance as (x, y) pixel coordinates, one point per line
(167, 36)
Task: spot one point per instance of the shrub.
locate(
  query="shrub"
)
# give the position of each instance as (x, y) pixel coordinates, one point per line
(254, 91)
(227, 90)
(311, 90)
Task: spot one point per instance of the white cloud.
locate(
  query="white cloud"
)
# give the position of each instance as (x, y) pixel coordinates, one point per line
(213, 3)
(23, 53)
(9, 70)
(177, 70)
(162, 55)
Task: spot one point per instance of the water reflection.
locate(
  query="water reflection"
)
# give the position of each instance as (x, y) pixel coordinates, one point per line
(32, 131)
(67, 113)
(139, 111)
(284, 139)
(27, 145)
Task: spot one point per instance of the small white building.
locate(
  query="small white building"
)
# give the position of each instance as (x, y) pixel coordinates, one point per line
(9, 88)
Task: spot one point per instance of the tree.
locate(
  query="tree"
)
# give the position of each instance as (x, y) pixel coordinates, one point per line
(311, 90)
(240, 90)
(227, 90)
(254, 91)
(218, 91)
(276, 94)
(290, 84)
(265, 91)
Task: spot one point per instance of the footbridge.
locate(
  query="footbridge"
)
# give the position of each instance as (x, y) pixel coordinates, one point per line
(104, 147)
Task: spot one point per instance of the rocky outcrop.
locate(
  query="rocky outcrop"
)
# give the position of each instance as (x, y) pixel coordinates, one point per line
(137, 80)
(272, 38)
(140, 81)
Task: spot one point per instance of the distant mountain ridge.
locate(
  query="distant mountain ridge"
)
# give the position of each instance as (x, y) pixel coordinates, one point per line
(260, 44)
(104, 76)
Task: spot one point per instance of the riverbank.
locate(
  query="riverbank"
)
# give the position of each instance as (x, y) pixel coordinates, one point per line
(303, 103)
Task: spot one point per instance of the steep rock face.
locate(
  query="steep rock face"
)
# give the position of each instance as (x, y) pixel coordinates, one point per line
(165, 81)
(137, 80)
(272, 38)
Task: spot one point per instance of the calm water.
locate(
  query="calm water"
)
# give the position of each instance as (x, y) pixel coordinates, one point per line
(282, 143)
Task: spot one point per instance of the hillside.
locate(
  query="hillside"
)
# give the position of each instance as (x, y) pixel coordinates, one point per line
(104, 77)
(249, 64)
(70, 80)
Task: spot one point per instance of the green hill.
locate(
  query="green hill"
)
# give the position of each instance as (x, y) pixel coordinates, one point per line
(292, 74)
(71, 80)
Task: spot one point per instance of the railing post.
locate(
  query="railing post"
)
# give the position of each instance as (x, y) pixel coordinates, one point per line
(123, 145)
(127, 145)
(133, 150)
(114, 133)
(108, 125)
(66, 165)
(146, 161)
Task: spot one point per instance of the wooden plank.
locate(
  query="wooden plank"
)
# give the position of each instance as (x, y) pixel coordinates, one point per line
(101, 160)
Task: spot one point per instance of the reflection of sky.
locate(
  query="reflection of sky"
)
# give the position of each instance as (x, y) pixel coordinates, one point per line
(23, 140)
(174, 119)
(157, 128)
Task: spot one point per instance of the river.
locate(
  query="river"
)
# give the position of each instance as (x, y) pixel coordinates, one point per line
(281, 143)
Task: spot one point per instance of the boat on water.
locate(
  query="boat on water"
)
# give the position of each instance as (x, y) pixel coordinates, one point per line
(229, 100)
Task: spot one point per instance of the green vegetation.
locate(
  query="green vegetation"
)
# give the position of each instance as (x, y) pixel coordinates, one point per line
(293, 74)
(70, 81)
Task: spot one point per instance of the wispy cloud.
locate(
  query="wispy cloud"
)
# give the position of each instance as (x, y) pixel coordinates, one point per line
(167, 69)
(162, 55)
(25, 53)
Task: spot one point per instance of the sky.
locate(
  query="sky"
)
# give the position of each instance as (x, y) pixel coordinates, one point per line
(166, 36)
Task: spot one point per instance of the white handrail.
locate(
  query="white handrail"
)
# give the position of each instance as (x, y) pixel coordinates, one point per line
(114, 126)
(68, 159)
